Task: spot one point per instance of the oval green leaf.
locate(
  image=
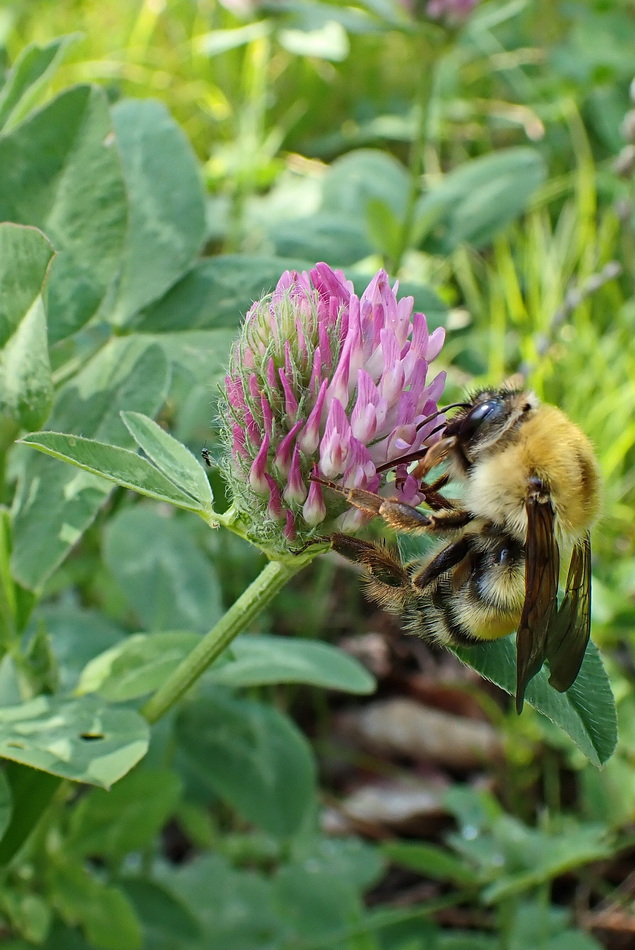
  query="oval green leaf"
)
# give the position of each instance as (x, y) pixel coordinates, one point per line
(260, 660)
(79, 739)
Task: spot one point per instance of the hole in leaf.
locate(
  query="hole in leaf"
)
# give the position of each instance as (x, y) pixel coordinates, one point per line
(91, 736)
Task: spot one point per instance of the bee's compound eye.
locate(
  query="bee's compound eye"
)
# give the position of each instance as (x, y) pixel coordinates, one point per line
(477, 416)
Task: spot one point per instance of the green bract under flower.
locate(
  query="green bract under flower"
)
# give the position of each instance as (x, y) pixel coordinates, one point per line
(324, 382)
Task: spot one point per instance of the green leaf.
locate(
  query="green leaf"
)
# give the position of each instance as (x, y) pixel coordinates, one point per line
(198, 360)
(234, 908)
(551, 856)
(252, 757)
(29, 914)
(137, 666)
(323, 236)
(216, 293)
(103, 912)
(62, 936)
(165, 921)
(259, 660)
(126, 818)
(26, 388)
(6, 805)
(586, 711)
(167, 579)
(61, 173)
(113, 463)
(77, 635)
(80, 739)
(328, 41)
(31, 791)
(166, 225)
(316, 903)
(32, 69)
(431, 861)
(55, 503)
(476, 201)
(175, 461)
(363, 177)
(221, 41)
(25, 254)
(384, 227)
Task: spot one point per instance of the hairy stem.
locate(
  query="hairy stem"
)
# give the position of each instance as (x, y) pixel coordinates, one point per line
(271, 579)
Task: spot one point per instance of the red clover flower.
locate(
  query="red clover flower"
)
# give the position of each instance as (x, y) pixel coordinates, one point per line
(322, 381)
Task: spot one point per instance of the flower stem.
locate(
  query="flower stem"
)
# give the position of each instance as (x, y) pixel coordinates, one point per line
(270, 580)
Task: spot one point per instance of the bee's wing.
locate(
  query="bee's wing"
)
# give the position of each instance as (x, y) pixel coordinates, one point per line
(569, 633)
(542, 563)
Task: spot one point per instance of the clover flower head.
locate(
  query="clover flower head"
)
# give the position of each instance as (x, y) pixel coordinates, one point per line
(324, 382)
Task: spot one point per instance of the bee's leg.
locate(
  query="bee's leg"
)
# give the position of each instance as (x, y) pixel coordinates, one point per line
(432, 496)
(378, 561)
(366, 501)
(398, 514)
(446, 559)
(404, 517)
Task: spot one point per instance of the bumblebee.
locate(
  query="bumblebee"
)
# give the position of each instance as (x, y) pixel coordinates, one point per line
(530, 496)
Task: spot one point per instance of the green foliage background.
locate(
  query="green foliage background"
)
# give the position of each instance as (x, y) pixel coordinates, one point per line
(160, 167)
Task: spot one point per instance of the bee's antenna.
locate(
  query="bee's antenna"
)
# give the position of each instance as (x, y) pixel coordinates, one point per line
(439, 412)
(414, 456)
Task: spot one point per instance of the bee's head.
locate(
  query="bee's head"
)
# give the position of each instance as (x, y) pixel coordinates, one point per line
(491, 416)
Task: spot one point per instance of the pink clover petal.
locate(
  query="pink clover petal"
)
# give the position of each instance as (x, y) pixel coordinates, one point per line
(435, 343)
(258, 477)
(351, 521)
(324, 346)
(267, 416)
(283, 458)
(254, 388)
(409, 491)
(295, 491)
(364, 422)
(303, 347)
(329, 282)
(314, 509)
(239, 442)
(235, 395)
(309, 439)
(417, 380)
(288, 364)
(248, 360)
(335, 446)
(290, 401)
(420, 335)
(360, 466)
(401, 439)
(253, 429)
(272, 379)
(392, 383)
(275, 508)
(316, 372)
(290, 532)
(437, 386)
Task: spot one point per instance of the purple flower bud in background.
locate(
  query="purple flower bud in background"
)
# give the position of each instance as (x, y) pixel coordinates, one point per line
(452, 11)
(322, 381)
